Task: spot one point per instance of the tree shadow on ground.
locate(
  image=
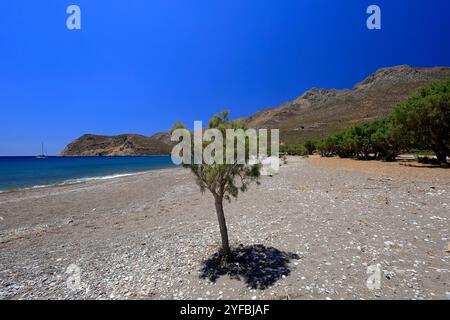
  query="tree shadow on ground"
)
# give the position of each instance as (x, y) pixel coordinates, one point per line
(259, 266)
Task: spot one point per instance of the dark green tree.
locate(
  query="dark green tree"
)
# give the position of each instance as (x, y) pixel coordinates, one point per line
(310, 146)
(424, 120)
(385, 145)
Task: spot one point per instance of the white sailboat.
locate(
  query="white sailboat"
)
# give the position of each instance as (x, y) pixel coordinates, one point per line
(42, 155)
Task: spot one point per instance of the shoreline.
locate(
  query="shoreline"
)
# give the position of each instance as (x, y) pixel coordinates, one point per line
(78, 181)
(329, 161)
(31, 174)
(55, 189)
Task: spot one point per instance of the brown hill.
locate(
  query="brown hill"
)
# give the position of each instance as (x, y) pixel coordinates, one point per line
(121, 145)
(314, 115)
(319, 112)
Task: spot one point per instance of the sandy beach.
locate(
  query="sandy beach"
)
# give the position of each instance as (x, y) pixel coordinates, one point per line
(146, 236)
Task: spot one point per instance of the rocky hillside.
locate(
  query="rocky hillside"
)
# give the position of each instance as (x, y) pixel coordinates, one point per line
(319, 112)
(313, 115)
(125, 144)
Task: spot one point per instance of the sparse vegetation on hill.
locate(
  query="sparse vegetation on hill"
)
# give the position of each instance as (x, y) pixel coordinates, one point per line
(314, 115)
(319, 113)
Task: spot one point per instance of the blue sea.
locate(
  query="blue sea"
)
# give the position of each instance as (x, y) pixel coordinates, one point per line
(28, 172)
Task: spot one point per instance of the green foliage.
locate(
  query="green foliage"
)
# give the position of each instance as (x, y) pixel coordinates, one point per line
(223, 180)
(341, 143)
(310, 146)
(422, 122)
(385, 145)
(177, 125)
(366, 141)
(422, 153)
(294, 149)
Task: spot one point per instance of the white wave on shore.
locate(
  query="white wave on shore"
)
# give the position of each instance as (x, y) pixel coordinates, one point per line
(75, 181)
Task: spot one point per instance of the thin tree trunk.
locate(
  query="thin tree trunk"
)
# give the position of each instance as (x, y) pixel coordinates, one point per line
(223, 226)
(440, 149)
(441, 155)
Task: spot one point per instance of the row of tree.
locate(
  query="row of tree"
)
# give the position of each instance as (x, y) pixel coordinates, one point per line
(421, 122)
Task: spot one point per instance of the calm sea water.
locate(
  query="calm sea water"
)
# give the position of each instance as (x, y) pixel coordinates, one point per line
(26, 172)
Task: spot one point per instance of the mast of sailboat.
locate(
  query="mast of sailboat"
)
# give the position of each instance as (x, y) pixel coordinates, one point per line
(42, 155)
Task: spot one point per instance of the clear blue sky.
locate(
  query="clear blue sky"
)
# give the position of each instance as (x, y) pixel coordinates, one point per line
(137, 66)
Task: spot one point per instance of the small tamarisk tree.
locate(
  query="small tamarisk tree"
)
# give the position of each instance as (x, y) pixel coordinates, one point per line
(224, 180)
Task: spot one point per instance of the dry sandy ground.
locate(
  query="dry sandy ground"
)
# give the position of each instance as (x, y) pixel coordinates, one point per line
(321, 223)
